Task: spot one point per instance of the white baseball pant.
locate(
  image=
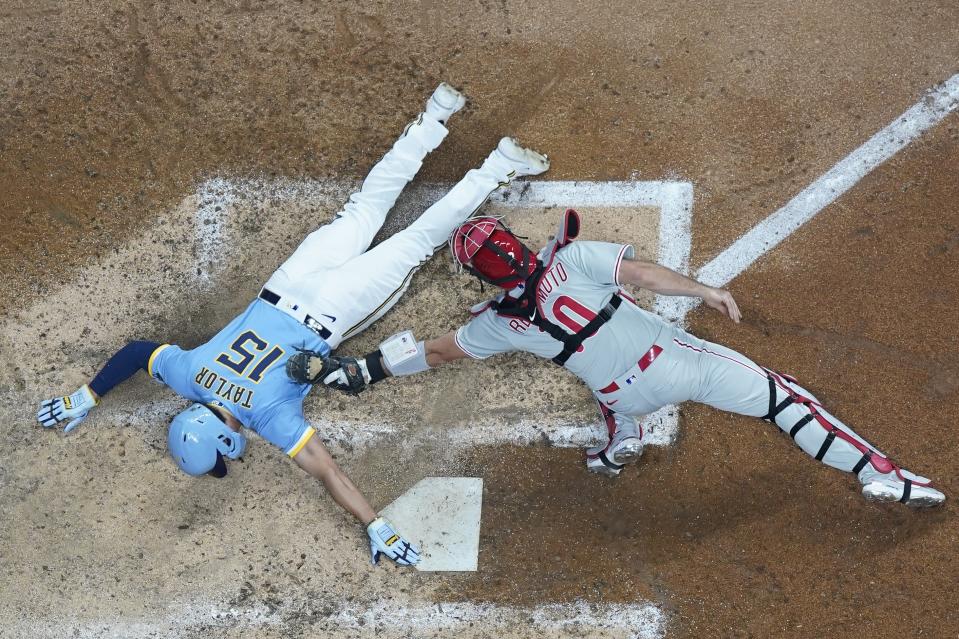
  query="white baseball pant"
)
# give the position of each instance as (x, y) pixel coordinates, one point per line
(333, 277)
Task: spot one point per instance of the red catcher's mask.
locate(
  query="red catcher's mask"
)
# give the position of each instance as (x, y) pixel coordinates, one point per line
(496, 267)
(490, 251)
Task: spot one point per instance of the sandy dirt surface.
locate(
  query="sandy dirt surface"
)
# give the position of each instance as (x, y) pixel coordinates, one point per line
(112, 113)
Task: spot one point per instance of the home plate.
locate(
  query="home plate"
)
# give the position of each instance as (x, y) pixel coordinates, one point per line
(441, 515)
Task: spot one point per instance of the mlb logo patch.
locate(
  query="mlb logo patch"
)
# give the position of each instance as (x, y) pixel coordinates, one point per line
(631, 379)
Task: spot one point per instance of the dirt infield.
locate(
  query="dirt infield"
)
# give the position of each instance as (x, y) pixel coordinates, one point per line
(113, 115)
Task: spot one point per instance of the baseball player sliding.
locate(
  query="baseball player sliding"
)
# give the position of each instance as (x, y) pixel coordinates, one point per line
(567, 303)
(330, 289)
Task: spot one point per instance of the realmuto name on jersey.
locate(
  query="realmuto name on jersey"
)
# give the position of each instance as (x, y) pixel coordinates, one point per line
(548, 283)
(224, 388)
(551, 280)
(566, 310)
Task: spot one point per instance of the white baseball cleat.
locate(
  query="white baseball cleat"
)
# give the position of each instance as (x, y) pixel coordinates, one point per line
(902, 486)
(627, 451)
(610, 461)
(596, 464)
(523, 161)
(444, 102)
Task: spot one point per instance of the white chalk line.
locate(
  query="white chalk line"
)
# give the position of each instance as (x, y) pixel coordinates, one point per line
(630, 621)
(356, 436)
(674, 199)
(929, 111)
(645, 621)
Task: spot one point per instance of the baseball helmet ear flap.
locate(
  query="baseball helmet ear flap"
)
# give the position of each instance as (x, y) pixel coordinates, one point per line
(199, 440)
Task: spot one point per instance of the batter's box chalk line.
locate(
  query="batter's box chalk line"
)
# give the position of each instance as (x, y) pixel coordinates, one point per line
(378, 617)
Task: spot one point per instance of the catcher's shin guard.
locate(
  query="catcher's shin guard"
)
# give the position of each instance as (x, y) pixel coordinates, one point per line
(799, 414)
(624, 446)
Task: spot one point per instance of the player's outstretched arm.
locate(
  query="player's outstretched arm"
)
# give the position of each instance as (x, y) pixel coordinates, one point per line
(443, 350)
(317, 461)
(665, 281)
(399, 355)
(392, 361)
(74, 408)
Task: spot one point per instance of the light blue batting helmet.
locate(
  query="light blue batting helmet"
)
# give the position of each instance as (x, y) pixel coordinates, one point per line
(199, 439)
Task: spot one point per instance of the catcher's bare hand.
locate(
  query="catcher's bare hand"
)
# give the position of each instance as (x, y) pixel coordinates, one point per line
(723, 302)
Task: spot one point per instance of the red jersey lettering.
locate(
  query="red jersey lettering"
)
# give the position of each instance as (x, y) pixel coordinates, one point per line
(551, 280)
(584, 315)
(519, 325)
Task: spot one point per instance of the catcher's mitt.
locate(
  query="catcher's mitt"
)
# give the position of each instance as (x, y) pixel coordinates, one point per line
(310, 367)
(349, 376)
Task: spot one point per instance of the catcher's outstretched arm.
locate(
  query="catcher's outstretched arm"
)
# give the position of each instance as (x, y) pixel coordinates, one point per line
(443, 350)
(664, 281)
(659, 279)
(426, 355)
(397, 356)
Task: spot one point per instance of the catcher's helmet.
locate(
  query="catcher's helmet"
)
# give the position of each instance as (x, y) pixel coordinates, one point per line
(199, 438)
(485, 247)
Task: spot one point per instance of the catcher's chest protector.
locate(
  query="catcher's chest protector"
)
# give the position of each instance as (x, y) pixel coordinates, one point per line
(525, 308)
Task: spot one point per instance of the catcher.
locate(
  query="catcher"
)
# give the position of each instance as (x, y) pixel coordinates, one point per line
(567, 303)
(330, 289)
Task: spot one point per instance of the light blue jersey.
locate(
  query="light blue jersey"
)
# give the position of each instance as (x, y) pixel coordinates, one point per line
(243, 367)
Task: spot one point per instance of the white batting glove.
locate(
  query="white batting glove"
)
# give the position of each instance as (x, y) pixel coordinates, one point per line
(384, 540)
(73, 407)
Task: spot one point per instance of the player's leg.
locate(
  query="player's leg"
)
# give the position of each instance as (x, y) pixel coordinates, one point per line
(353, 229)
(729, 381)
(624, 444)
(366, 287)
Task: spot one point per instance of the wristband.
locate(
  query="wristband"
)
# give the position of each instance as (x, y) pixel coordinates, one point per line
(415, 364)
(374, 366)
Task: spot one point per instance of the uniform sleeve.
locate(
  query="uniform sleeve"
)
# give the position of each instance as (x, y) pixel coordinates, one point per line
(124, 363)
(287, 428)
(599, 261)
(484, 336)
(170, 365)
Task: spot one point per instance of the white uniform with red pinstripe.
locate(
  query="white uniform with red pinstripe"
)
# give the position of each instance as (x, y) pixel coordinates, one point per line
(636, 364)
